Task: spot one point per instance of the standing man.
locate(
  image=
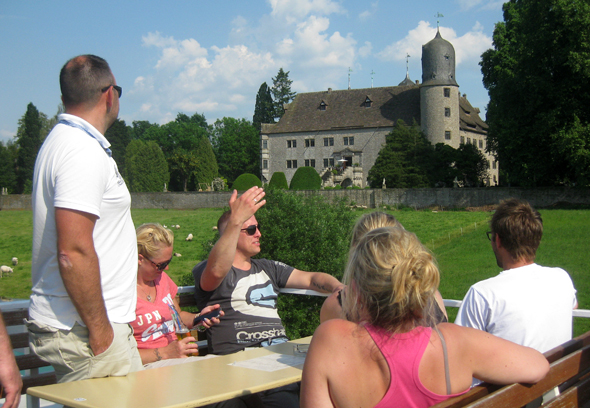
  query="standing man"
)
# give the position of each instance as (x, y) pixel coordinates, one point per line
(11, 382)
(526, 303)
(84, 262)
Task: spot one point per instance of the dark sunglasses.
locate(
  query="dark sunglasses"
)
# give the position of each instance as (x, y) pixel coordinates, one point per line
(116, 87)
(489, 235)
(251, 230)
(161, 266)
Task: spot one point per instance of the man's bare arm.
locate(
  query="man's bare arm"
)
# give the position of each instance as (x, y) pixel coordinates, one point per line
(10, 377)
(80, 272)
(223, 253)
(318, 281)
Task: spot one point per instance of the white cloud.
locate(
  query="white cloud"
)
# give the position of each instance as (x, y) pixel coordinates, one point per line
(365, 50)
(367, 14)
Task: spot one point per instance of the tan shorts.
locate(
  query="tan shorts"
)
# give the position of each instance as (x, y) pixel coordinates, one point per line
(68, 351)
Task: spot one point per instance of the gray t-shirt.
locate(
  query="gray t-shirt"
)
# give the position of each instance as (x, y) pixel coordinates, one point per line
(249, 300)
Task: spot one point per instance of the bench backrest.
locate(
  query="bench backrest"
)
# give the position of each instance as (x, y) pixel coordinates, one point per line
(28, 360)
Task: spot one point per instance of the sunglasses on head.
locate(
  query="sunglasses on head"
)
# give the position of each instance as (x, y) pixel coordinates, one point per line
(159, 266)
(251, 230)
(115, 87)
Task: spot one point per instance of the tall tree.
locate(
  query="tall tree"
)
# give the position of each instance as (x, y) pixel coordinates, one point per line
(147, 169)
(197, 119)
(538, 79)
(263, 110)
(402, 162)
(281, 92)
(7, 166)
(29, 141)
(140, 127)
(237, 148)
(119, 136)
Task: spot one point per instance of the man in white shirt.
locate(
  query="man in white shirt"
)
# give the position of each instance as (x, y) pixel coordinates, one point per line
(526, 303)
(84, 261)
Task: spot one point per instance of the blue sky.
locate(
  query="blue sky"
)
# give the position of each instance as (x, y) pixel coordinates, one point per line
(211, 57)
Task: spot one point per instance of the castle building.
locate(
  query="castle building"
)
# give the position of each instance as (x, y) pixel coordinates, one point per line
(340, 132)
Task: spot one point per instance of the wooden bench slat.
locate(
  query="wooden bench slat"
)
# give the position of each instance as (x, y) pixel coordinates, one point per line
(19, 340)
(38, 379)
(517, 395)
(28, 361)
(575, 396)
(15, 317)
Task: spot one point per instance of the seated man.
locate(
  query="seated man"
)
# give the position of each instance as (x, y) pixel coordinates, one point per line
(526, 303)
(247, 289)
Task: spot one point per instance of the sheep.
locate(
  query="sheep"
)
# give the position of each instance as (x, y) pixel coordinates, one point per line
(214, 228)
(189, 238)
(14, 261)
(176, 254)
(5, 270)
(177, 226)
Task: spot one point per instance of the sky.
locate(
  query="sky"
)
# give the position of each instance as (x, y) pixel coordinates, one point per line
(211, 57)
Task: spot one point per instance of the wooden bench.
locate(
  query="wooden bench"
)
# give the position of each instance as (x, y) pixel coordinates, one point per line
(28, 360)
(570, 371)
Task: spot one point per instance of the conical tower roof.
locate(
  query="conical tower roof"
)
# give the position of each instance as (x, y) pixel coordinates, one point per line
(438, 62)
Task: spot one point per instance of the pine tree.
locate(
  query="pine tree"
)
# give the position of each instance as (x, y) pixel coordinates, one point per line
(281, 92)
(28, 141)
(264, 109)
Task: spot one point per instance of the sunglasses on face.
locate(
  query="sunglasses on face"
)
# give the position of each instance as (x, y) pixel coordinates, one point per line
(159, 266)
(251, 230)
(489, 235)
(115, 87)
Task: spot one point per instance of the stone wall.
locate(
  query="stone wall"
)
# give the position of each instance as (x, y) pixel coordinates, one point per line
(417, 198)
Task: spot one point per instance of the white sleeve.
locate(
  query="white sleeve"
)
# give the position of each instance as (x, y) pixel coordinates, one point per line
(473, 311)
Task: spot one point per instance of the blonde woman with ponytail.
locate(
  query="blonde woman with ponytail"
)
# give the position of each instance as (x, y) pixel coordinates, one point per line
(388, 353)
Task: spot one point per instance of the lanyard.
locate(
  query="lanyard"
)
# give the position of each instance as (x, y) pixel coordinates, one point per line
(75, 125)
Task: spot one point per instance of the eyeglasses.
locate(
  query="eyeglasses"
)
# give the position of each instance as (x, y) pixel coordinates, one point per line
(489, 235)
(251, 230)
(115, 87)
(159, 266)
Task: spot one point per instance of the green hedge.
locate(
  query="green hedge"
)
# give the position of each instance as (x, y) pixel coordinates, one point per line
(278, 180)
(245, 181)
(306, 178)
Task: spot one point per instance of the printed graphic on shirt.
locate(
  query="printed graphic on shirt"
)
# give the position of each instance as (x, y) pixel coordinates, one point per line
(156, 325)
(254, 295)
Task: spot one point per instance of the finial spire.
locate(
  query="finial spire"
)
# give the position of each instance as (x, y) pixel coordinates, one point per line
(438, 16)
(372, 73)
(349, 71)
(407, 64)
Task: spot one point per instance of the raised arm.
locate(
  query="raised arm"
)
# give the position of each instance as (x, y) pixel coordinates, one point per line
(319, 281)
(80, 272)
(10, 378)
(223, 253)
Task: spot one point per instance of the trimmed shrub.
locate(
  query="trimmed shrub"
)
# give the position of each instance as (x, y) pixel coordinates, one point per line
(245, 181)
(306, 178)
(278, 180)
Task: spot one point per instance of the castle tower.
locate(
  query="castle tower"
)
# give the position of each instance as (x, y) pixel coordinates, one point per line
(439, 93)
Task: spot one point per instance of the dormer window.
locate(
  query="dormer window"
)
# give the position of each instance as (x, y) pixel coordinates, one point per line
(368, 102)
(323, 106)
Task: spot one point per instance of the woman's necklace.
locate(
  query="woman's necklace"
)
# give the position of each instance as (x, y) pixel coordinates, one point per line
(147, 295)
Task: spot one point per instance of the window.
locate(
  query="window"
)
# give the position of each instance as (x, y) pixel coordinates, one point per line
(309, 162)
(447, 135)
(323, 106)
(349, 141)
(494, 165)
(294, 163)
(328, 141)
(481, 144)
(325, 162)
(494, 179)
(265, 144)
(291, 164)
(367, 102)
(448, 112)
(447, 92)
(312, 163)
(291, 144)
(265, 164)
(288, 164)
(331, 162)
(468, 140)
(475, 142)
(309, 142)
(488, 165)
(462, 139)
(306, 162)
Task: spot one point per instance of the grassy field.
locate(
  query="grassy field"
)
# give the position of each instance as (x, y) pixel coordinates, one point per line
(457, 238)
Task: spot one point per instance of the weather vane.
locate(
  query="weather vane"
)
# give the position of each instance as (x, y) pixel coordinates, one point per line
(372, 73)
(349, 71)
(438, 16)
(407, 66)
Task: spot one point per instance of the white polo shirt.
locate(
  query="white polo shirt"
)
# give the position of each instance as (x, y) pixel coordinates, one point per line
(74, 171)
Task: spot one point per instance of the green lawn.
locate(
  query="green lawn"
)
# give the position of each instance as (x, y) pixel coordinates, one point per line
(457, 238)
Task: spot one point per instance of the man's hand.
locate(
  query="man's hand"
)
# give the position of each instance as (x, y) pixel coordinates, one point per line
(243, 208)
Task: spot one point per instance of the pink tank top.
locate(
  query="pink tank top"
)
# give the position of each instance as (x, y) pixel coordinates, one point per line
(403, 353)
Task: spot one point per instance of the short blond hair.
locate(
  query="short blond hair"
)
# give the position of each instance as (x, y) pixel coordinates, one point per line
(151, 237)
(392, 279)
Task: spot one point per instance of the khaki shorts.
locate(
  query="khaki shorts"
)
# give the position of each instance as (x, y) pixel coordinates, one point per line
(68, 351)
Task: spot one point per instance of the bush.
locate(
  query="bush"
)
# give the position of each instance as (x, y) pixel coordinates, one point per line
(246, 181)
(278, 180)
(310, 234)
(306, 178)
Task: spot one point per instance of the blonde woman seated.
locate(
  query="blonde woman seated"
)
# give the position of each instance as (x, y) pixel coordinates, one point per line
(385, 355)
(153, 326)
(332, 307)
